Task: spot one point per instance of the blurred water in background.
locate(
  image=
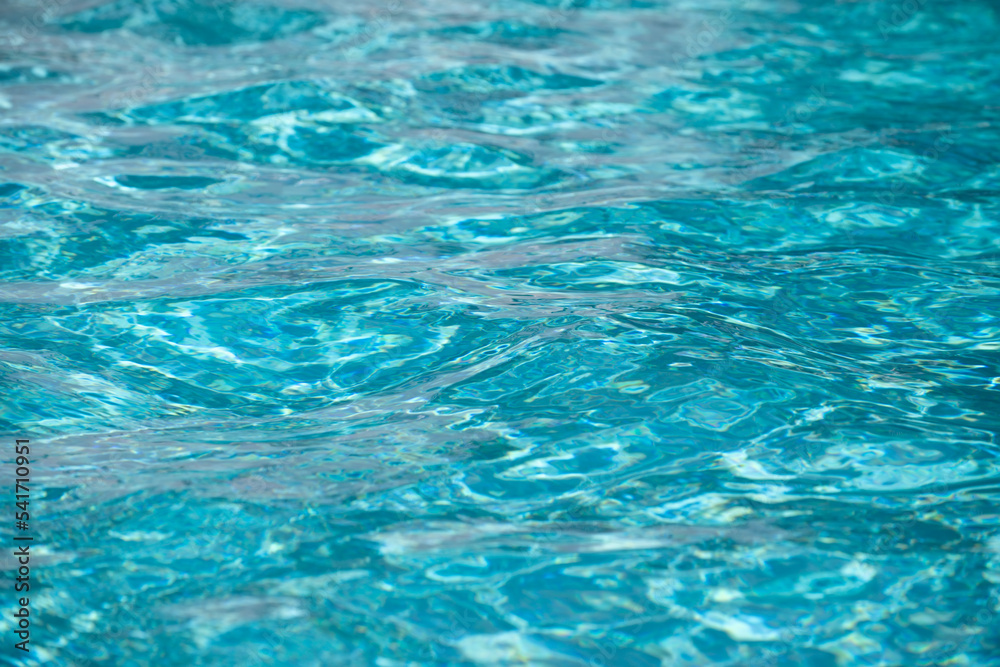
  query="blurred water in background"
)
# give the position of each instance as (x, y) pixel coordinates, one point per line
(425, 332)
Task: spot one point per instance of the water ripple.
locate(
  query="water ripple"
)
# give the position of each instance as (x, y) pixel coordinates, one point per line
(530, 332)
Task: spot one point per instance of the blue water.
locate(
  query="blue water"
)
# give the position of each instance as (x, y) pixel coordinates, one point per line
(426, 332)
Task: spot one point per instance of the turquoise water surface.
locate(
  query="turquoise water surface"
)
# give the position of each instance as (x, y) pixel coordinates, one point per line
(422, 332)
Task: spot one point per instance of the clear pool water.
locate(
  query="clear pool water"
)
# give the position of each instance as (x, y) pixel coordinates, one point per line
(426, 332)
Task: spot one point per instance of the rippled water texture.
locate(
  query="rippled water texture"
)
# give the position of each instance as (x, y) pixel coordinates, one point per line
(426, 332)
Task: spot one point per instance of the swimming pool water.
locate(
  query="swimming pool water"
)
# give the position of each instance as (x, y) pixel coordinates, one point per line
(423, 332)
